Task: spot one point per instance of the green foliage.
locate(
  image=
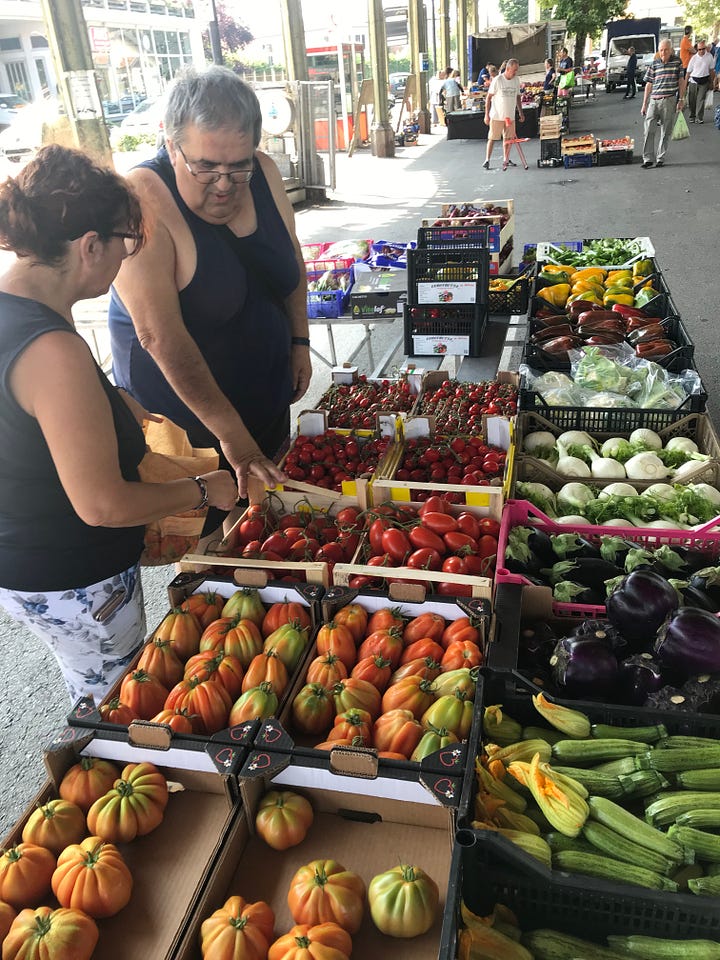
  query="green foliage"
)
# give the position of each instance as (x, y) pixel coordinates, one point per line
(131, 142)
(514, 11)
(233, 35)
(398, 64)
(703, 15)
(588, 17)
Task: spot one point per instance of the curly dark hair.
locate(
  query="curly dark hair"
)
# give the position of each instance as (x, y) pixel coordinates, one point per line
(59, 196)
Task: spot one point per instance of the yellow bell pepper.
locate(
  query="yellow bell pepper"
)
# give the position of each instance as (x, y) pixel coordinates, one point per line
(625, 299)
(586, 295)
(618, 275)
(582, 285)
(643, 268)
(588, 272)
(556, 295)
(554, 268)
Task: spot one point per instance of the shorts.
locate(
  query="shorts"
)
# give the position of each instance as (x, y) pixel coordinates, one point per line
(92, 655)
(499, 130)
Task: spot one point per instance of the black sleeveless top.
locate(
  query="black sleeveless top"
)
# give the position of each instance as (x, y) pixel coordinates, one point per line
(232, 308)
(44, 545)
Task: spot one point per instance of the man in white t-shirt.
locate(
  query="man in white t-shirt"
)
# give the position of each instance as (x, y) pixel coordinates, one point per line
(503, 99)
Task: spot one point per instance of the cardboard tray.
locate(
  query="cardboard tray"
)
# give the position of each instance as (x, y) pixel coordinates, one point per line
(171, 867)
(368, 828)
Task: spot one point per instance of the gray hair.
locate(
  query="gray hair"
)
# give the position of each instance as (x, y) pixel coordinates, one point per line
(213, 99)
(665, 43)
(511, 61)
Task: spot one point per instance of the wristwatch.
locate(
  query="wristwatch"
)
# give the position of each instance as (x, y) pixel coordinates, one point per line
(202, 484)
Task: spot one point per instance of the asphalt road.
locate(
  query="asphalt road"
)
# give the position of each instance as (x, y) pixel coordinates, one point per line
(385, 199)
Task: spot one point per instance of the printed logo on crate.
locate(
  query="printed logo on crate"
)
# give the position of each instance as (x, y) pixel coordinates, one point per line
(445, 292)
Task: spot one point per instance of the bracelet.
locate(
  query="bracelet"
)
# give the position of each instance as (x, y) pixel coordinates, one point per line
(202, 484)
(300, 341)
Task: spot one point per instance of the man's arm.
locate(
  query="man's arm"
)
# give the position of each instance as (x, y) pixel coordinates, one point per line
(647, 91)
(148, 288)
(296, 303)
(488, 102)
(519, 108)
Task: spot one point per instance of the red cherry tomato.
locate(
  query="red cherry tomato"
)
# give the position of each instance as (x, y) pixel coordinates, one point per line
(487, 546)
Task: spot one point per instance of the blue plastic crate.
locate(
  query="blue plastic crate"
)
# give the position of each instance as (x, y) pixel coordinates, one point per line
(327, 303)
(579, 160)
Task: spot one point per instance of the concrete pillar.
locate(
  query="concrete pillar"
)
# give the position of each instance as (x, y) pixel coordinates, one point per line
(417, 32)
(462, 38)
(293, 29)
(444, 40)
(473, 19)
(70, 47)
(382, 137)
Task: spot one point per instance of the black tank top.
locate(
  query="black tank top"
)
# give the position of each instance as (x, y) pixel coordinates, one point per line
(232, 308)
(44, 545)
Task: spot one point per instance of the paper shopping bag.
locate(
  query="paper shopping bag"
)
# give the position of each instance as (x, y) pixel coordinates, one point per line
(170, 456)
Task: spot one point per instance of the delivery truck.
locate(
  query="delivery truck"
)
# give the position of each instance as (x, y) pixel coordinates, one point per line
(618, 36)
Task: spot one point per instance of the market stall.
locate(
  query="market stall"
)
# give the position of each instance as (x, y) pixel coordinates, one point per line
(465, 659)
(469, 124)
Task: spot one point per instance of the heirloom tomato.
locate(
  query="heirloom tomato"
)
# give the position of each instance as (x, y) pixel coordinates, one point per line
(133, 807)
(266, 667)
(313, 709)
(461, 653)
(93, 877)
(206, 606)
(282, 613)
(25, 873)
(283, 819)
(403, 901)
(385, 643)
(412, 693)
(453, 712)
(206, 702)
(183, 630)
(376, 670)
(326, 670)
(240, 638)
(87, 780)
(179, 721)
(115, 711)
(324, 891)
(354, 725)
(360, 694)
(55, 825)
(461, 629)
(305, 941)
(245, 604)
(219, 667)
(143, 693)
(7, 915)
(47, 934)
(385, 619)
(459, 682)
(355, 618)
(397, 731)
(433, 739)
(421, 650)
(335, 638)
(238, 931)
(288, 642)
(159, 659)
(426, 667)
(429, 625)
(257, 704)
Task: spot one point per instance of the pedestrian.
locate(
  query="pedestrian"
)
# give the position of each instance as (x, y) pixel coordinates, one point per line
(686, 47)
(663, 98)
(450, 91)
(700, 77)
(209, 322)
(484, 72)
(717, 66)
(566, 63)
(631, 70)
(549, 83)
(74, 509)
(502, 101)
(434, 85)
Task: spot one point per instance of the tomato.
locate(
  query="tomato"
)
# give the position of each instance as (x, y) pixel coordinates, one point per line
(468, 523)
(353, 725)
(159, 659)
(238, 930)
(256, 704)
(218, 667)
(403, 901)
(354, 617)
(183, 631)
(134, 807)
(326, 670)
(320, 941)
(93, 877)
(313, 709)
(25, 873)
(335, 638)
(179, 721)
(461, 653)
(383, 643)
(245, 604)
(478, 566)
(55, 825)
(205, 606)
(283, 819)
(425, 648)
(7, 915)
(459, 682)
(115, 711)
(455, 565)
(304, 548)
(375, 534)
(423, 538)
(425, 667)
(457, 542)
(281, 613)
(289, 643)
(143, 693)
(357, 693)
(266, 667)
(87, 780)
(490, 527)
(385, 618)
(324, 891)
(396, 544)
(439, 523)
(376, 670)
(397, 731)
(429, 625)
(433, 739)
(330, 553)
(251, 530)
(47, 934)
(412, 693)
(446, 589)
(424, 559)
(434, 504)
(450, 712)
(461, 629)
(347, 517)
(487, 546)
(206, 702)
(237, 637)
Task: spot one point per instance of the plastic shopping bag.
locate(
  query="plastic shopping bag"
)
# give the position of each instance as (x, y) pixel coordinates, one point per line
(567, 81)
(680, 130)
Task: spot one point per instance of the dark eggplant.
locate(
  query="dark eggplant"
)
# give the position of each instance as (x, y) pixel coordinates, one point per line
(584, 669)
(588, 571)
(692, 597)
(568, 546)
(541, 545)
(601, 631)
(672, 699)
(694, 559)
(566, 591)
(705, 690)
(688, 644)
(538, 640)
(707, 579)
(519, 557)
(638, 677)
(639, 606)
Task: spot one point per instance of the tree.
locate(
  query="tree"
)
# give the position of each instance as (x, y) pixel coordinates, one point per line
(514, 11)
(586, 18)
(703, 15)
(233, 35)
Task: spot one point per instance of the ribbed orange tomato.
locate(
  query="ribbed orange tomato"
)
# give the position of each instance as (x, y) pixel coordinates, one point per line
(355, 618)
(25, 872)
(321, 941)
(55, 825)
(426, 668)
(383, 643)
(160, 659)
(87, 780)
(7, 915)
(178, 720)
(326, 670)
(376, 670)
(313, 709)
(134, 806)
(282, 613)
(335, 638)
(461, 653)
(240, 638)
(207, 703)
(266, 667)
(359, 694)
(47, 934)
(430, 625)
(397, 731)
(183, 631)
(413, 694)
(205, 606)
(115, 711)
(143, 693)
(238, 931)
(324, 891)
(353, 725)
(385, 619)
(461, 629)
(218, 666)
(283, 819)
(419, 649)
(93, 877)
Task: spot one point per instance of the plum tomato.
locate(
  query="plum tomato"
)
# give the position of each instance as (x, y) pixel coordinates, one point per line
(423, 538)
(396, 543)
(439, 523)
(424, 558)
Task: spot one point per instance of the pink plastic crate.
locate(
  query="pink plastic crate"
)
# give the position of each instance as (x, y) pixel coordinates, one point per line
(520, 513)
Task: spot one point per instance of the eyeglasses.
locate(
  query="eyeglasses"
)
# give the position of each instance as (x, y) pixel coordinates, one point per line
(136, 238)
(702, 49)
(212, 176)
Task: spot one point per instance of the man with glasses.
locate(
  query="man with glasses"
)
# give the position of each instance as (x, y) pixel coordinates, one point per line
(208, 322)
(663, 97)
(700, 76)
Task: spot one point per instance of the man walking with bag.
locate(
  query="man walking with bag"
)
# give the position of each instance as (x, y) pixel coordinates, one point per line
(664, 81)
(700, 76)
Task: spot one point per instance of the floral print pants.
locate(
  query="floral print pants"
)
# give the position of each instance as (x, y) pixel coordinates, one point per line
(92, 655)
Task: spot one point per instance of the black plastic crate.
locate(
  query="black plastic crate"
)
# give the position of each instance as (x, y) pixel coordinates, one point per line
(550, 149)
(466, 236)
(608, 158)
(466, 320)
(435, 276)
(514, 301)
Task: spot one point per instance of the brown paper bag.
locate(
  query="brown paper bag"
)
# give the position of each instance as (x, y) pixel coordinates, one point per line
(171, 457)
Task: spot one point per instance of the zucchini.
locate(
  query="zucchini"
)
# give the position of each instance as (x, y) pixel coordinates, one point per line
(572, 723)
(668, 807)
(542, 733)
(613, 768)
(654, 948)
(601, 784)
(642, 783)
(699, 779)
(534, 846)
(595, 751)
(652, 734)
(706, 845)
(499, 727)
(713, 869)
(558, 841)
(522, 750)
(709, 819)
(632, 828)
(673, 761)
(705, 886)
(682, 742)
(619, 872)
(611, 844)
(486, 942)
(551, 945)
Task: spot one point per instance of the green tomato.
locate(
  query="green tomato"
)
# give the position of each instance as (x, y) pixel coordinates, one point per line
(403, 901)
(452, 711)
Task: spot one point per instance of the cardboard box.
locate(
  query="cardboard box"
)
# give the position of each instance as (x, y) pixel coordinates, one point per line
(378, 291)
(368, 829)
(171, 866)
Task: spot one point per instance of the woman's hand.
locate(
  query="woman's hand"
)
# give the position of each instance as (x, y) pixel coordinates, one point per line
(301, 369)
(222, 489)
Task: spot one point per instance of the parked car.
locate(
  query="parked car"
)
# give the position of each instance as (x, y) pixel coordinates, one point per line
(146, 120)
(10, 103)
(398, 82)
(24, 136)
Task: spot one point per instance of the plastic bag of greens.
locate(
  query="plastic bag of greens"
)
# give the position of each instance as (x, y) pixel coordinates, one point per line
(602, 369)
(556, 389)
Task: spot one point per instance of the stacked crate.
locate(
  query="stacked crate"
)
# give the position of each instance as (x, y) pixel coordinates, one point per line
(550, 128)
(579, 151)
(448, 276)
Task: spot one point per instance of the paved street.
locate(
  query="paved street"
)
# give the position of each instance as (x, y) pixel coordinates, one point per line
(386, 199)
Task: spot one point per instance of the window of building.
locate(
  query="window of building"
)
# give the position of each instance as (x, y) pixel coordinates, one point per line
(17, 75)
(37, 42)
(10, 43)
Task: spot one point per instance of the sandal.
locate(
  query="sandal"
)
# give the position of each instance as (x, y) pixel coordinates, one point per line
(505, 165)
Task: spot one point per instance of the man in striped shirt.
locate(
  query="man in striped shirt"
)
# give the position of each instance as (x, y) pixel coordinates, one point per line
(664, 82)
